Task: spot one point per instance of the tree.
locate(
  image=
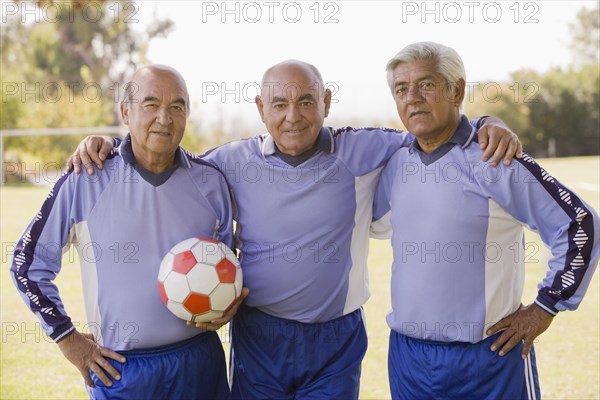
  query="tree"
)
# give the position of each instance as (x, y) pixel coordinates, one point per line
(585, 42)
(68, 71)
(556, 113)
(566, 112)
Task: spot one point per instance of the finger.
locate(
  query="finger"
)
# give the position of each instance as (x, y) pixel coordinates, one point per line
(95, 368)
(85, 373)
(89, 336)
(85, 158)
(483, 138)
(508, 346)
(208, 326)
(511, 151)
(500, 151)
(526, 348)
(498, 326)
(105, 150)
(76, 162)
(112, 354)
(69, 164)
(520, 149)
(91, 151)
(491, 145)
(502, 339)
(245, 293)
(230, 312)
(234, 307)
(217, 323)
(87, 378)
(106, 366)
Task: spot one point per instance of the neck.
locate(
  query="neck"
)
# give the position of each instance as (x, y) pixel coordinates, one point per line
(430, 143)
(292, 152)
(154, 162)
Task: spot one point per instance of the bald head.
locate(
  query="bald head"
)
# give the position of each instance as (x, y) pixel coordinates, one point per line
(292, 67)
(152, 72)
(155, 109)
(293, 105)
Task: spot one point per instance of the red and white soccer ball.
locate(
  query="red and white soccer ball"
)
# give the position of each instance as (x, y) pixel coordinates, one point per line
(199, 279)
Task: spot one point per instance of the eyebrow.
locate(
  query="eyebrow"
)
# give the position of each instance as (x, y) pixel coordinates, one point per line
(432, 77)
(278, 99)
(306, 96)
(149, 98)
(179, 100)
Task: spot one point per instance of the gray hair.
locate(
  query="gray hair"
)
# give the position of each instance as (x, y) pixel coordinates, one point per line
(449, 63)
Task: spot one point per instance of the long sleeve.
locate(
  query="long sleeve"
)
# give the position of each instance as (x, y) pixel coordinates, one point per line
(566, 224)
(37, 260)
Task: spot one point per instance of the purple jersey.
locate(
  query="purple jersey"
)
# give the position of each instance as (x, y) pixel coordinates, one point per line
(303, 230)
(123, 220)
(459, 255)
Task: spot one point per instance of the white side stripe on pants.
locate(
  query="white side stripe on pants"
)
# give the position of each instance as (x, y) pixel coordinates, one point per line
(529, 380)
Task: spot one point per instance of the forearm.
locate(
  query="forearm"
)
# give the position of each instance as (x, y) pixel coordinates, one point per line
(37, 261)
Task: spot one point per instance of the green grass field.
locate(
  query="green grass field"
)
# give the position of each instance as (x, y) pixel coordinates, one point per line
(32, 367)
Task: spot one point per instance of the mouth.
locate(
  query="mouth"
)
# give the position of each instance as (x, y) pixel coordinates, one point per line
(159, 133)
(417, 113)
(294, 131)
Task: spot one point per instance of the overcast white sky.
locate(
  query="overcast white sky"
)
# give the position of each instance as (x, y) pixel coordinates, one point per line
(222, 48)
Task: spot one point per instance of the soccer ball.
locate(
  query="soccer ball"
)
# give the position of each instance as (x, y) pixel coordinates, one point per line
(199, 279)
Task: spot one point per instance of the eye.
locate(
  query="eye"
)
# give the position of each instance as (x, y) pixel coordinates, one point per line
(149, 106)
(306, 103)
(427, 86)
(178, 107)
(401, 90)
(279, 106)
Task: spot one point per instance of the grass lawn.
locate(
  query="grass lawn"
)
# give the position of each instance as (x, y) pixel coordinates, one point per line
(32, 367)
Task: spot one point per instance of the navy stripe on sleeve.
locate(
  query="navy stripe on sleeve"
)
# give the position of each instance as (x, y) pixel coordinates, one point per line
(580, 237)
(23, 258)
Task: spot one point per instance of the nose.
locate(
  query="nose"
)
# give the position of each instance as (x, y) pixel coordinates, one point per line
(292, 115)
(414, 92)
(163, 116)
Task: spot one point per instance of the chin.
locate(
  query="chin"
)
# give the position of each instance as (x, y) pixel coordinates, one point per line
(419, 129)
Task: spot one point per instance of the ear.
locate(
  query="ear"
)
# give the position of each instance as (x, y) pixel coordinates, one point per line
(327, 100)
(125, 113)
(260, 106)
(459, 92)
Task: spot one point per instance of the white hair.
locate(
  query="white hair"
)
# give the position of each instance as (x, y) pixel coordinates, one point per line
(449, 63)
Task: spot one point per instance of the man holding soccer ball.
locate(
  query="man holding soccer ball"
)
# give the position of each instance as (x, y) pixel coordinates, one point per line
(123, 221)
(303, 224)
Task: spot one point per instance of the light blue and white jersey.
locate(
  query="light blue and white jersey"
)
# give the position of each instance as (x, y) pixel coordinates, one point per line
(458, 239)
(303, 230)
(123, 220)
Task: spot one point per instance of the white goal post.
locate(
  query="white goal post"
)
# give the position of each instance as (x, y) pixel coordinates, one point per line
(101, 130)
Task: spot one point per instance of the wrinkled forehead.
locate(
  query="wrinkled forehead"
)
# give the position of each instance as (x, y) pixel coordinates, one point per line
(415, 71)
(290, 82)
(159, 83)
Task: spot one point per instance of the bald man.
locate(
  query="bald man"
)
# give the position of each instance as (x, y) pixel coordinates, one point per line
(122, 223)
(303, 196)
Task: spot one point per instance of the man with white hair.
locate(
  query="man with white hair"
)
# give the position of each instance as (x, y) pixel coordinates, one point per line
(303, 194)
(457, 238)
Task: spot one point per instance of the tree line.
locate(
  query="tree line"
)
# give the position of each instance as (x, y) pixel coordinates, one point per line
(64, 70)
(555, 113)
